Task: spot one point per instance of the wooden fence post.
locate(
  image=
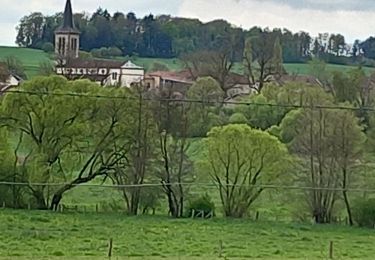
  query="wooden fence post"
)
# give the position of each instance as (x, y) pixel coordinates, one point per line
(4, 204)
(331, 250)
(220, 248)
(192, 213)
(257, 216)
(110, 246)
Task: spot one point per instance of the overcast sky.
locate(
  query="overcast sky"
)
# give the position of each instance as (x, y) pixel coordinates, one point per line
(355, 19)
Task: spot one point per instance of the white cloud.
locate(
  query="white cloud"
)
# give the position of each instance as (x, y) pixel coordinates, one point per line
(248, 13)
(352, 18)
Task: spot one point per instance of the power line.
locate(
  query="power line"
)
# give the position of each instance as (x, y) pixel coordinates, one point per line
(202, 185)
(208, 102)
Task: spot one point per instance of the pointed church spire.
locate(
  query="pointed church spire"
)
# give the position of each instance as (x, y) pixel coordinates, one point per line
(68, 16)
(68, 20)
(67, 36)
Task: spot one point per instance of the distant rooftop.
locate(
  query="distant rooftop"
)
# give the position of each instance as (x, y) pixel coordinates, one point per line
(100, 63)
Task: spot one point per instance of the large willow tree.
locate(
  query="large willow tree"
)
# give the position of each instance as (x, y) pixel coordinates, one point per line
(240, 160)
(67, 134)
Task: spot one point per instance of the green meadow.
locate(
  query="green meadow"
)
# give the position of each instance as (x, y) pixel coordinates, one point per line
(36, 234)
(31, 59)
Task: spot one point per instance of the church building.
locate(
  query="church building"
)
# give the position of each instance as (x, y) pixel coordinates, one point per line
(104, 72)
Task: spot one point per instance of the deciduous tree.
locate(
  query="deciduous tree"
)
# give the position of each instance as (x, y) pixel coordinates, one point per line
(241, 159)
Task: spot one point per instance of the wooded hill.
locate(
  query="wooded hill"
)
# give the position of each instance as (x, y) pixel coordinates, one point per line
(105, 34)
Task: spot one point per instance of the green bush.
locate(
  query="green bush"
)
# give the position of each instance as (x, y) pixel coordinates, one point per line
(238, 118)
(48, 47)
(204, 204)
(156, 66)
(364, 213)
(114, 52)
(106, 52)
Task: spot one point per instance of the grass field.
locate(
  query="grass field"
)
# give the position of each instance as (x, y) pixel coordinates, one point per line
(304, 68)
(147, 63)
(30, 58)
(36, 234)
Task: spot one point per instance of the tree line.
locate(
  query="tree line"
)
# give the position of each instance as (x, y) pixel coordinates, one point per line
(107, 35)
(131, 137)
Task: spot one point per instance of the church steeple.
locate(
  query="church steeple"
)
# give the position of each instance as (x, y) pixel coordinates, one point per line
(67, 36)
(68, 16)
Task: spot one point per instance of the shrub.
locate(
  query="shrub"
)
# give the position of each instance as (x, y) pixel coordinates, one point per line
(238, 118)
(114, 52)
(46, 68)
(364, 213)
(106, 52)
(96, 53)
(204, 204)
(85, 55)
(150, 199)
(48, 47)
(156, 66)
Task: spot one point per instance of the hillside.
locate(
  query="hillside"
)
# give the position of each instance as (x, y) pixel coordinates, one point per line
(31, 59)
(36, 234)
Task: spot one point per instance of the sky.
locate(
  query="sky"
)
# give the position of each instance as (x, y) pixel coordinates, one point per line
(352, 18)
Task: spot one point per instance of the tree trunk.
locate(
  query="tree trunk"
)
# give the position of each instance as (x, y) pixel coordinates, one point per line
(346, 198)
(40, 200)
(173, 208)
(56, 199)
(348, 209)
(134, 204)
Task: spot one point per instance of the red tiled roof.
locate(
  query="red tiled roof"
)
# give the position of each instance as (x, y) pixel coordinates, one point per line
(235, 78)
(95, 77)
(93, 63)
(183, 76)
(299, 79)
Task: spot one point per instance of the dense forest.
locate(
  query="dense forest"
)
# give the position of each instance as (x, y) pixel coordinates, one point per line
(105, 34)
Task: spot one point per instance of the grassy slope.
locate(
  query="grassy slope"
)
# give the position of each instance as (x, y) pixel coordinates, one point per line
(304, 69)
(32, 233)
(29, 57)
(172, 64)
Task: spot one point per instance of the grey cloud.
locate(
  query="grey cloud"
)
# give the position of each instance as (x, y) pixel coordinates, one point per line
(326, 5)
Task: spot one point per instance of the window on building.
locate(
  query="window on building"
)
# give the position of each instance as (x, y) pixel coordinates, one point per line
(63, 48)
(114, 75)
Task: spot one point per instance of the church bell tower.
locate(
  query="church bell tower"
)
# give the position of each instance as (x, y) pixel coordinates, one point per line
(67, 36)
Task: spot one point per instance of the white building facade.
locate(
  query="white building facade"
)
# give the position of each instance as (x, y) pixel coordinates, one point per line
(103, 72)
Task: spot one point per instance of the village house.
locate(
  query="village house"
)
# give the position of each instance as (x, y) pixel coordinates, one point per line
(238, 86)
(178, 83)
(103, 72)
(8, 79)
(175, 83)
